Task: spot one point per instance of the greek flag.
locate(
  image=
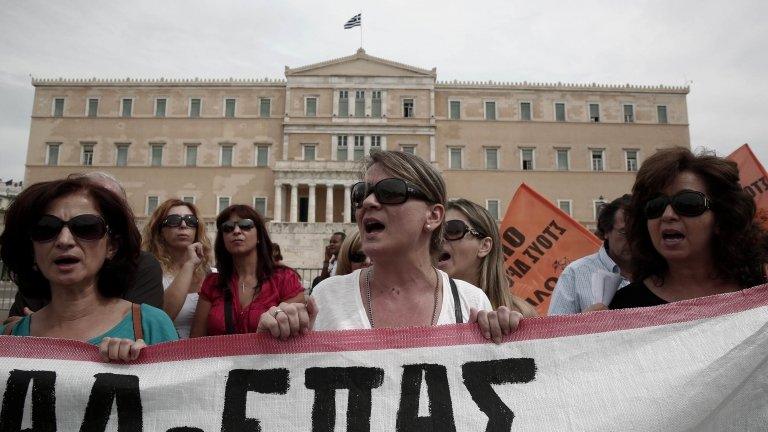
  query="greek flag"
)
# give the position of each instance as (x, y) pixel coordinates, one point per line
(355, 21)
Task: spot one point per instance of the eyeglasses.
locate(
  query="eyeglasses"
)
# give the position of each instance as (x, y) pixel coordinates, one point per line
(174, 220)
(456, 230)
(387, 191)
(685, 203)
(244, 224)
(357, 257)
(84, 227)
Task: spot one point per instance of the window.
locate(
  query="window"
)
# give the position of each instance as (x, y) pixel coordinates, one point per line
(375, 143)
(310, 109)
(58, 107)
(565, 205)
(126, 108)
(597, 205)
(93, 107)
(122, 155)
(194, 108)
(87, 157)
(526, 159)
(191, 156)
(262, 155)
(631, 160)
(597, 160)
(309, 152)
(343, 103)
(226, 155)
(53, 154)
(265, 107)
(157, 155)
(410, 149)
(407, 107)
(376, 104)
(661, 111)
(152, 202)
(359, 149)
(492, 158)
(188, 199)
(492, 205)
(490, 110)
(260, 204)
(560, 111)
(341, 147)
(454, 155)
(594, 113)
(629, 113)
(525, 111)
(563, 159)
(160, 104)
(223, 202)
(454, 108)
(229, 108)
(360, 103)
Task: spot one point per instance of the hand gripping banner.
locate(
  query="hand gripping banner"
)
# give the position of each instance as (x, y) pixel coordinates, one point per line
(697, 365)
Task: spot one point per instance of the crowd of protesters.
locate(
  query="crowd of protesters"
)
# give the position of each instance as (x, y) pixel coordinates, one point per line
(84, 271)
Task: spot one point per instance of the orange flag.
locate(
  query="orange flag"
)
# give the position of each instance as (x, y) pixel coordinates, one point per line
(752, 176)
(539, 240)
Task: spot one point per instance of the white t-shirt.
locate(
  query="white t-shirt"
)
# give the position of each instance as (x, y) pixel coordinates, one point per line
(340, 306)
(186, 315)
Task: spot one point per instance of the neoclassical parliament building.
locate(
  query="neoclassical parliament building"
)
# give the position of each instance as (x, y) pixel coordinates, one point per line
(293, 147)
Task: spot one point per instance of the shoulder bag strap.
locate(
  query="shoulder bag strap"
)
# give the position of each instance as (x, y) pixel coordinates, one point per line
(228, 324)
(456, 301)
(138, 332)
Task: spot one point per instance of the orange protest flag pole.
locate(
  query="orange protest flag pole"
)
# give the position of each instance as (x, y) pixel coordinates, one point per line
(539, 240)
(752, 176)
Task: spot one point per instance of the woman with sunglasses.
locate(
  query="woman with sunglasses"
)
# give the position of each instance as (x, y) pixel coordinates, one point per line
(175, 236)
(248, 282)
(399, 213)
(472, 252)
(76, 243)
(692, 231)
(351, 255)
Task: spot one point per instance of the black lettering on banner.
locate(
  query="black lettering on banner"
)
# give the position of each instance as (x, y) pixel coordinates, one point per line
(439, 394)
(185, 429)
(239, 383)
(764, 182)
(543, 241)
(43, 400)
(518, 268)
(511, 238)
(536, 248)
(553, 224)
(478, 378)
(540, 295)
(749, 190)
(358, 380)
(120, 389)
(756, 185)
(528, 253)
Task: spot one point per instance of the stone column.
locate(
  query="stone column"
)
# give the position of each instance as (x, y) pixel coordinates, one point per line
(278, 206)
(335, 103)
(383, 142)
(328, 203)
(311, 210)
(366, 145)
(350, 147)
(347, 204)
(294, 202)
(285, 146)
(432, 149)
(334, 145)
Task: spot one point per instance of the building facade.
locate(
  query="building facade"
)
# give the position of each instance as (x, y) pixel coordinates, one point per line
(293, 147)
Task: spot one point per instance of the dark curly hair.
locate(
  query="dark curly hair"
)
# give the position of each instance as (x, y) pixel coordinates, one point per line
(739, 245)
(265, 265)
(17, 252)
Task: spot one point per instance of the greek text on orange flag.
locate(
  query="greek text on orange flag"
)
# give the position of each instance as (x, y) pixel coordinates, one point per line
(752, 175)
(539, 240)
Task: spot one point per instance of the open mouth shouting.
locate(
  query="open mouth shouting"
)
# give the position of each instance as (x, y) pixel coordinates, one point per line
(373, 226)
(66, 262)
(671, 237)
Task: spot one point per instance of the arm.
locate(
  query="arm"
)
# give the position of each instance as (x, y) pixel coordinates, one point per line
(148, 286)
(177, 292)
(328, 255)
(200, 323)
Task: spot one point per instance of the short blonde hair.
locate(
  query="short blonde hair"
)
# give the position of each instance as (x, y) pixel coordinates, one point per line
(351, 243)
(422, 175)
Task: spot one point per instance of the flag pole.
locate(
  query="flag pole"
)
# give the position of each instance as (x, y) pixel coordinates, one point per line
(361, 29)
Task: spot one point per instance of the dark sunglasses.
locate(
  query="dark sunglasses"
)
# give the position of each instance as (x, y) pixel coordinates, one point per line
(685, 203)
(84, 227)
(244, 224)
(457, 229)
(357, 257)
(387, 191)
(174, 220)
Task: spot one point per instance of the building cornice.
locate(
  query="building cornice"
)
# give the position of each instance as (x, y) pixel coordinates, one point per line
(158, 82)
(559, 86)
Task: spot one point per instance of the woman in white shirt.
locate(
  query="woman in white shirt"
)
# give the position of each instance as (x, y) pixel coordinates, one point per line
(399, 212)
(175, 236)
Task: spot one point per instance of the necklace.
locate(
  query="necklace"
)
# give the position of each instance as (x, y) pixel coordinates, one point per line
(369, 312)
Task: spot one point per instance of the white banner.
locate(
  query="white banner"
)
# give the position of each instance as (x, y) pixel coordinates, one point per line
(693, 365)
